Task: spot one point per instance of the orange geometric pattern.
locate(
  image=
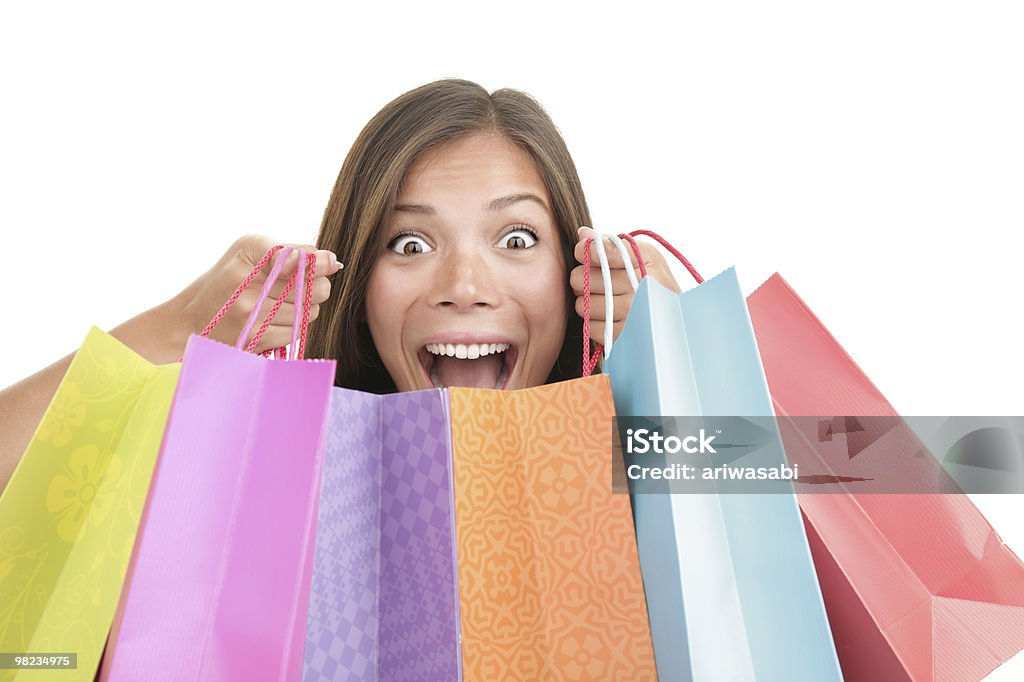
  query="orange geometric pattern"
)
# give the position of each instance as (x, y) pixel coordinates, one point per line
(549, 578)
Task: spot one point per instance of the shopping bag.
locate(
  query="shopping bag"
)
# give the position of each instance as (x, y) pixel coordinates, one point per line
(384, 601)
(69, 514)
(548, 575)
(218, 586)
(730, 585)
(918, 587)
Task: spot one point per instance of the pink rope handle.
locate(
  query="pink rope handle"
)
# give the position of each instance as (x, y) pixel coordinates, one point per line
(636, 252)
(671, 249)
(306, 305)
(300, 324)
(270, 316)
(241, 288)
(589, 361)
(264, 292)
(300, 296)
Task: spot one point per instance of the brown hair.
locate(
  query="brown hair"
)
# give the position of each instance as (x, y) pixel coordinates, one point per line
(367, 186)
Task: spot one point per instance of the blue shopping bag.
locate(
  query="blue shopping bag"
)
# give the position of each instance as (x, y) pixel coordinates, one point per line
(731, 589)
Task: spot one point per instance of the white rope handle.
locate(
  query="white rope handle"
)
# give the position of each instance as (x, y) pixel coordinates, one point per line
(609, 303)
(627, 260)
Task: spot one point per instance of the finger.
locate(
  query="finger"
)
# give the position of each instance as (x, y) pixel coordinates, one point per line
(614, 257)
(321, 290)
(286, 315)
(321, 285)
(274, 337)
(326, 261)
(282, 324)
(252, 247)
(620, 307)
(597, 331)
(249, 296)
(620, 281)
(245, 305)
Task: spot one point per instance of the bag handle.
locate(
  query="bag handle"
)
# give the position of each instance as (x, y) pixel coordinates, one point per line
(671, 249)
(275, 272)
(300, 319)
(590, 361)
(300, 323)
(307, 303)
(636, 251)
(626, 259)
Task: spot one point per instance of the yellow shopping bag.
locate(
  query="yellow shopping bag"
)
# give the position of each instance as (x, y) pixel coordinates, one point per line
(70, 512)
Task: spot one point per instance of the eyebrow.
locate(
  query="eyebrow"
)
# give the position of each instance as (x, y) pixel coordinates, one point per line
(494, 205)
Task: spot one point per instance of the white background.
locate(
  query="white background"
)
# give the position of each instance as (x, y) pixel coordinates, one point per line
(872, 153)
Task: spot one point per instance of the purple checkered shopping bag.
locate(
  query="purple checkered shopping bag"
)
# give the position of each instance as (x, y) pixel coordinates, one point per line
(384, 598)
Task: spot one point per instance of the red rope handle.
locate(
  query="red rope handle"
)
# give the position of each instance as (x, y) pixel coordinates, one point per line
(241, 288)
(671, 249)
(589, 361)
(281, 353)
(636, 252)
(273, 312)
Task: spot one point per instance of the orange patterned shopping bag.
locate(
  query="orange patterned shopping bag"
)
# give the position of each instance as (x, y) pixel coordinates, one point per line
(549, 579)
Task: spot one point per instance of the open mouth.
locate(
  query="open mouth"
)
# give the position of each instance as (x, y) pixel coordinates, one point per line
(472, 365)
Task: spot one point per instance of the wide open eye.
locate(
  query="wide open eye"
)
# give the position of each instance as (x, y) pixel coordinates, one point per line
(409, 245)
(521, 237)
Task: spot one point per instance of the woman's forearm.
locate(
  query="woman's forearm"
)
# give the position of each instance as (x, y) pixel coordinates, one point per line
(158, 335)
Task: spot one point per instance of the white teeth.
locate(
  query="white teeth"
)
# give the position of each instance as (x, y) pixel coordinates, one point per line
(466, 351)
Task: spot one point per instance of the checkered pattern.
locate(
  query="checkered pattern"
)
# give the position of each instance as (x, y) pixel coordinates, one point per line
(419, 612)
(341, 631)
(384, 603)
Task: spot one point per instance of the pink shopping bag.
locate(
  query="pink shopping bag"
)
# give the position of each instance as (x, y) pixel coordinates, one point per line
(218, 586)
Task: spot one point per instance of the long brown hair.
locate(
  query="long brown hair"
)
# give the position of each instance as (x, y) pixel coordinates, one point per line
(367, 186)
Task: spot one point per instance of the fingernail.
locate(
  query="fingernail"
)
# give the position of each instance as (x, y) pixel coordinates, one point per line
(334, 265)
(586, 233)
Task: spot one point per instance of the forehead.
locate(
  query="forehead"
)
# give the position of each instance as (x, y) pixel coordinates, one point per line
(486, 163)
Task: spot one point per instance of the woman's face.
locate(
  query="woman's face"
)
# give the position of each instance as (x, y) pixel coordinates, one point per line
(471, 288)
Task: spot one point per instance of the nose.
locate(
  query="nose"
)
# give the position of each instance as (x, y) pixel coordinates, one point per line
(464, 282)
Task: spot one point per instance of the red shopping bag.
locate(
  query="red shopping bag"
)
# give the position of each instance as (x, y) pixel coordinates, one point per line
(917, 587)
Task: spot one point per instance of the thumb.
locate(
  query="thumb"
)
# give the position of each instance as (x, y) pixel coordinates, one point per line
(579, 253)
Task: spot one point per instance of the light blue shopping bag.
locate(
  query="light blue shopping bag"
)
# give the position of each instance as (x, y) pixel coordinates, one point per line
(731, 590)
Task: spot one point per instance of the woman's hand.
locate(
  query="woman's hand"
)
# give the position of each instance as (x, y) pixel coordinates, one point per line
(200, 301)
(622, 290)
(160, 334)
